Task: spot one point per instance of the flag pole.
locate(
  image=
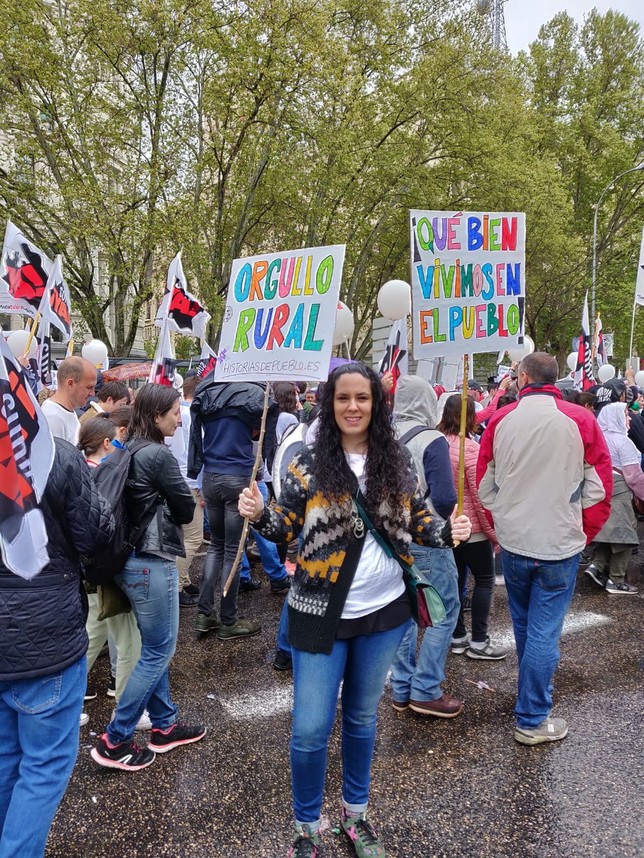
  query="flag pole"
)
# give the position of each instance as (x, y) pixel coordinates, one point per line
(32, 333)
(460, 492)
(258, 461)
(630, 347)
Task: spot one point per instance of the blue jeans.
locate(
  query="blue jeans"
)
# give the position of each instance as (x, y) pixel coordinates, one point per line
(421, 680)
(282, 632)
(38, 749)
(362, 662)
(539, 593)
(221, 493)
(151, 585)
(268, 552)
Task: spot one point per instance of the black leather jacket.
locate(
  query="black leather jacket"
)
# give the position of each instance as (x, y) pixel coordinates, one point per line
(155, 482)
(42, 621)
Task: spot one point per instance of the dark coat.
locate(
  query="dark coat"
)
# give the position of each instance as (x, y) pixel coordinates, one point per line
(155, 480)
(214, 400)
(42, 621)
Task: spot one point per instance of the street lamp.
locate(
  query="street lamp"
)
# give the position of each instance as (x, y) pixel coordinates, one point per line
(603, 194)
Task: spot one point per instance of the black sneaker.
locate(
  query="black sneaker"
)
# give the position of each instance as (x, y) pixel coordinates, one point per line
(282, 660)
(247, 585)
(620, 588)
(90, 693)
(600, 578)
(111, 688)
(188, 600)
(162, 741)
(127, 756)
(192, 589)
(207, 623)
(281, 586)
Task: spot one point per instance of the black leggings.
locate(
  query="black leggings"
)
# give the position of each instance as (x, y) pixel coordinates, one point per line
(479, 558)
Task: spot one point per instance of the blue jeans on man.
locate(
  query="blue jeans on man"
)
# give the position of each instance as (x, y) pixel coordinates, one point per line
(362, 663)
(420, 679)
(38, 749)
(152, 586)
(539, 593)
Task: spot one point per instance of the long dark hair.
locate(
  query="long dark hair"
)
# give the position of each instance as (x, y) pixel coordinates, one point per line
(152, 401)
(386, 468)
(451, 420)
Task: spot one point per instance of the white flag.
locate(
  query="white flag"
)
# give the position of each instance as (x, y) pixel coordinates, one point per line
(639, 282)
(23, 273)
(26, 456)
(182, 311)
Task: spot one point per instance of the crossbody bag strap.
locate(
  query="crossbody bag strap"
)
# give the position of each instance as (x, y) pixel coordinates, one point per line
(382, 540)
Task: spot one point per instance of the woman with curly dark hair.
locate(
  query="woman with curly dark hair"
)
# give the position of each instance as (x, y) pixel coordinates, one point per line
(347, 606)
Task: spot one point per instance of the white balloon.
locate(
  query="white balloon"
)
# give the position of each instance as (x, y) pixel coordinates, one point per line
(521, 351)
(639, 378)
(344, 324)
(571, 361)
(606, 372)
(95, 352)
(394, 299)
(17, 342)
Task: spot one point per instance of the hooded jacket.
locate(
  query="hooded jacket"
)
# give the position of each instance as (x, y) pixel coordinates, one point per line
(544, 472)
(416, 405)
(42, 621)
(224, 417)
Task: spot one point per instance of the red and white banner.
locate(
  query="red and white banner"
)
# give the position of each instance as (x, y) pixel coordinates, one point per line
(179, 309)
(207, 361)
(23, 273)
(163, 366)
(26, 456)
(584, 371)
(396, 356)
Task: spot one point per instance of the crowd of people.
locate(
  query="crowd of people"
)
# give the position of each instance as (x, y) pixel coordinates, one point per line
(357, 481)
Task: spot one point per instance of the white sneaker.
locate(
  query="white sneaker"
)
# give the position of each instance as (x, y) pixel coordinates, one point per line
(143, 723)
(84, 719)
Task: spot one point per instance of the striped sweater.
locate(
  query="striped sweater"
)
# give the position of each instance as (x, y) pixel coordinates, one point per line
(319, 591)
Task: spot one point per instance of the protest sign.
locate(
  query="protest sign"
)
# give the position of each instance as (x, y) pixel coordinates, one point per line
(468, 281)
(280, 316)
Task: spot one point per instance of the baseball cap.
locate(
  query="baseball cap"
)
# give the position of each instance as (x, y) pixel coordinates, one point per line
(474, 385)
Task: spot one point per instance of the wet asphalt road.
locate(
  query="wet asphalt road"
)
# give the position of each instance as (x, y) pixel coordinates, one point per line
(440, 788)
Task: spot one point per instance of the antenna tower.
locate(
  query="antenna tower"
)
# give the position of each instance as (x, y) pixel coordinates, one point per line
(493, 11)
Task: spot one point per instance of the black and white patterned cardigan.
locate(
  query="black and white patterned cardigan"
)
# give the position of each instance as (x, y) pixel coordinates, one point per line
(318, 591)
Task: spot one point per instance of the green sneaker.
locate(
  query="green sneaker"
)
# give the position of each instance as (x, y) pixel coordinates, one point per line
(364, 839)
(305, 844)
(207, 623)
(240, 629)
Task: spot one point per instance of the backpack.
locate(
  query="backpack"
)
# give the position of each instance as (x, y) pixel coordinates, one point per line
(111, 478)
(293, 439)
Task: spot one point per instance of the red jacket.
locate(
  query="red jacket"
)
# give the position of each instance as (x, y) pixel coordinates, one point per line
(544, 473)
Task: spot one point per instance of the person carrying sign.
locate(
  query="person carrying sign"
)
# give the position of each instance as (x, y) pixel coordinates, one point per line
(348, 609)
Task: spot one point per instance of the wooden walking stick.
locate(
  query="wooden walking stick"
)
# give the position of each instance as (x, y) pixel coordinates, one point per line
(258, 461)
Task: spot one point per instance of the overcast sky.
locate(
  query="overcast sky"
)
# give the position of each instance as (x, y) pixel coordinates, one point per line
(524, 17)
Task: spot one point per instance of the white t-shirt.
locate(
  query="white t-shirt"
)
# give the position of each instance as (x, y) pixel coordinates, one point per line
(378, 579)
(63, 423)
(179, 443)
